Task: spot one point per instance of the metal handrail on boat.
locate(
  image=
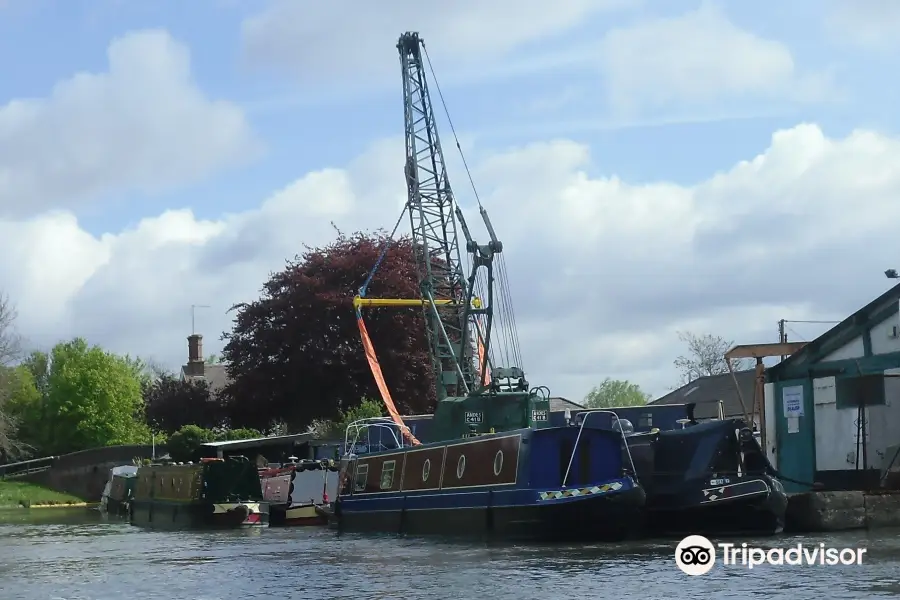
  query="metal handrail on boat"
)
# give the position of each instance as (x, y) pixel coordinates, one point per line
(584, 419)
(364, 424)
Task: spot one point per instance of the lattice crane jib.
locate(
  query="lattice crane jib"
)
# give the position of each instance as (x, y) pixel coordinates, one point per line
(434, 228)
(462, 320)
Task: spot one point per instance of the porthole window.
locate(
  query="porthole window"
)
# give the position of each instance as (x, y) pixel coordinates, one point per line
(498, 463)
(426, 469)
(461, 466)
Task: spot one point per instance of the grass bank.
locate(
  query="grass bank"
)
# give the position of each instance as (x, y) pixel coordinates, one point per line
(19, 493)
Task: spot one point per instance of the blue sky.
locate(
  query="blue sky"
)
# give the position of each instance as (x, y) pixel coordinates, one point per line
(635, 113)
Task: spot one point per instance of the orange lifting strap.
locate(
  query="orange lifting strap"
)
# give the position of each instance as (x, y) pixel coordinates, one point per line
(382, 386)
(486, 376)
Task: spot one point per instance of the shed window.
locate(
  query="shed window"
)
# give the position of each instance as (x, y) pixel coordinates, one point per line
(850, 392)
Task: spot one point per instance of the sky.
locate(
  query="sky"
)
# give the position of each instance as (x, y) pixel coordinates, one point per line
(651, 167)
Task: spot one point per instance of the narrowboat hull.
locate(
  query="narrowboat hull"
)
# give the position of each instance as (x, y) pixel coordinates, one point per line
(212, 494)
(736, 505)
(116, 508)
(611, 514)
(505, 485)
(290, 516)
(291, 492)
(118, 491)
(163, 514)
(708, 479)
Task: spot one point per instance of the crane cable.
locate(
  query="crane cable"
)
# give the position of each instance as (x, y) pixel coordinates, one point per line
(505, 293)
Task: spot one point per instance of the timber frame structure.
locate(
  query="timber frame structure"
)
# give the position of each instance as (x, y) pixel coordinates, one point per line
(758, 352)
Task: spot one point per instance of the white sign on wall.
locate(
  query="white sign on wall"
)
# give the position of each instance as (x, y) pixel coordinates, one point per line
(792, 397)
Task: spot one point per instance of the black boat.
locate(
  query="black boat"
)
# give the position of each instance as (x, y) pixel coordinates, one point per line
(710, 478)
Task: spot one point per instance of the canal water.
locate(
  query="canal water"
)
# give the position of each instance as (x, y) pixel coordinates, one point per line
(76, 555)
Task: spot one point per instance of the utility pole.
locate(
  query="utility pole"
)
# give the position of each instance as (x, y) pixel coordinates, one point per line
(194, 308)
(782, 336)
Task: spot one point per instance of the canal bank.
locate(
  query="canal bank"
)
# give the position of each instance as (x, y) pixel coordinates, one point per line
(842, 511)
(21, 494)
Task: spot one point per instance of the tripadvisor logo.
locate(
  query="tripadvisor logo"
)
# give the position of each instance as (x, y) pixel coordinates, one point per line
(696, 555)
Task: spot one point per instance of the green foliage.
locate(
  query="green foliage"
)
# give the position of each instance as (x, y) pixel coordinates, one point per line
(88, 398)
(366, 409)
(10, 352)
(38, 364)
(242, 433)
(616, 392)
(184, 444)
(22, 404)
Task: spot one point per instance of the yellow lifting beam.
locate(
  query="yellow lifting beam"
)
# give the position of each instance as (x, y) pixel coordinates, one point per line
(400, 302)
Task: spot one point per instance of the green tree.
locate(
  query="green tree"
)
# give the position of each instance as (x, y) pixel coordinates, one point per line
(184, 444)
(23, 402)
(616, 392)
(38, 364)
(366, 409)
(93, 399)
(10, 349)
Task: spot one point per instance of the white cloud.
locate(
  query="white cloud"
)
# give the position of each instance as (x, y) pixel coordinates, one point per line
(604, 272)
(869, 23)
(301, 37)
(142, 125)
(698, 58)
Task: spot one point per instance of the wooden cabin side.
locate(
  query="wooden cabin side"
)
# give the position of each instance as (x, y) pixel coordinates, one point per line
(474, 463)
(178, 483)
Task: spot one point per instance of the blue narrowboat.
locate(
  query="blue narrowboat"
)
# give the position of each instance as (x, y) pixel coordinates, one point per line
(534, 482)
(707, 478)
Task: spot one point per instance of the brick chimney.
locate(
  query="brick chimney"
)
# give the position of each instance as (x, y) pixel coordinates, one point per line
(195, 367)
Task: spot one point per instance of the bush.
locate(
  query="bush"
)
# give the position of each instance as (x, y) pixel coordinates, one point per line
(184, 444)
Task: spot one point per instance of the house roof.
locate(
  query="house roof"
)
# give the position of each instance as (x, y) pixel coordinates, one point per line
(216, 376)
(561, 404)
(705, 391)
(844, 332)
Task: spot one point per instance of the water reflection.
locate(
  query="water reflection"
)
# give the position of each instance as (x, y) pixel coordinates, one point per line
(77, 555)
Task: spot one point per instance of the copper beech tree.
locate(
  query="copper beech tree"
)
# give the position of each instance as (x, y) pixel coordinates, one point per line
(171, 403)
(295, 355)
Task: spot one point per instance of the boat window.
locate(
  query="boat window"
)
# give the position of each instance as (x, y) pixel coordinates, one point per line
(498, 463)
(387, 474)
(426, 470)
(362, 475)
(461, 466)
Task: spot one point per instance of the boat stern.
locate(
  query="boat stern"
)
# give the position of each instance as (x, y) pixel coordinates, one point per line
(241, 514)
